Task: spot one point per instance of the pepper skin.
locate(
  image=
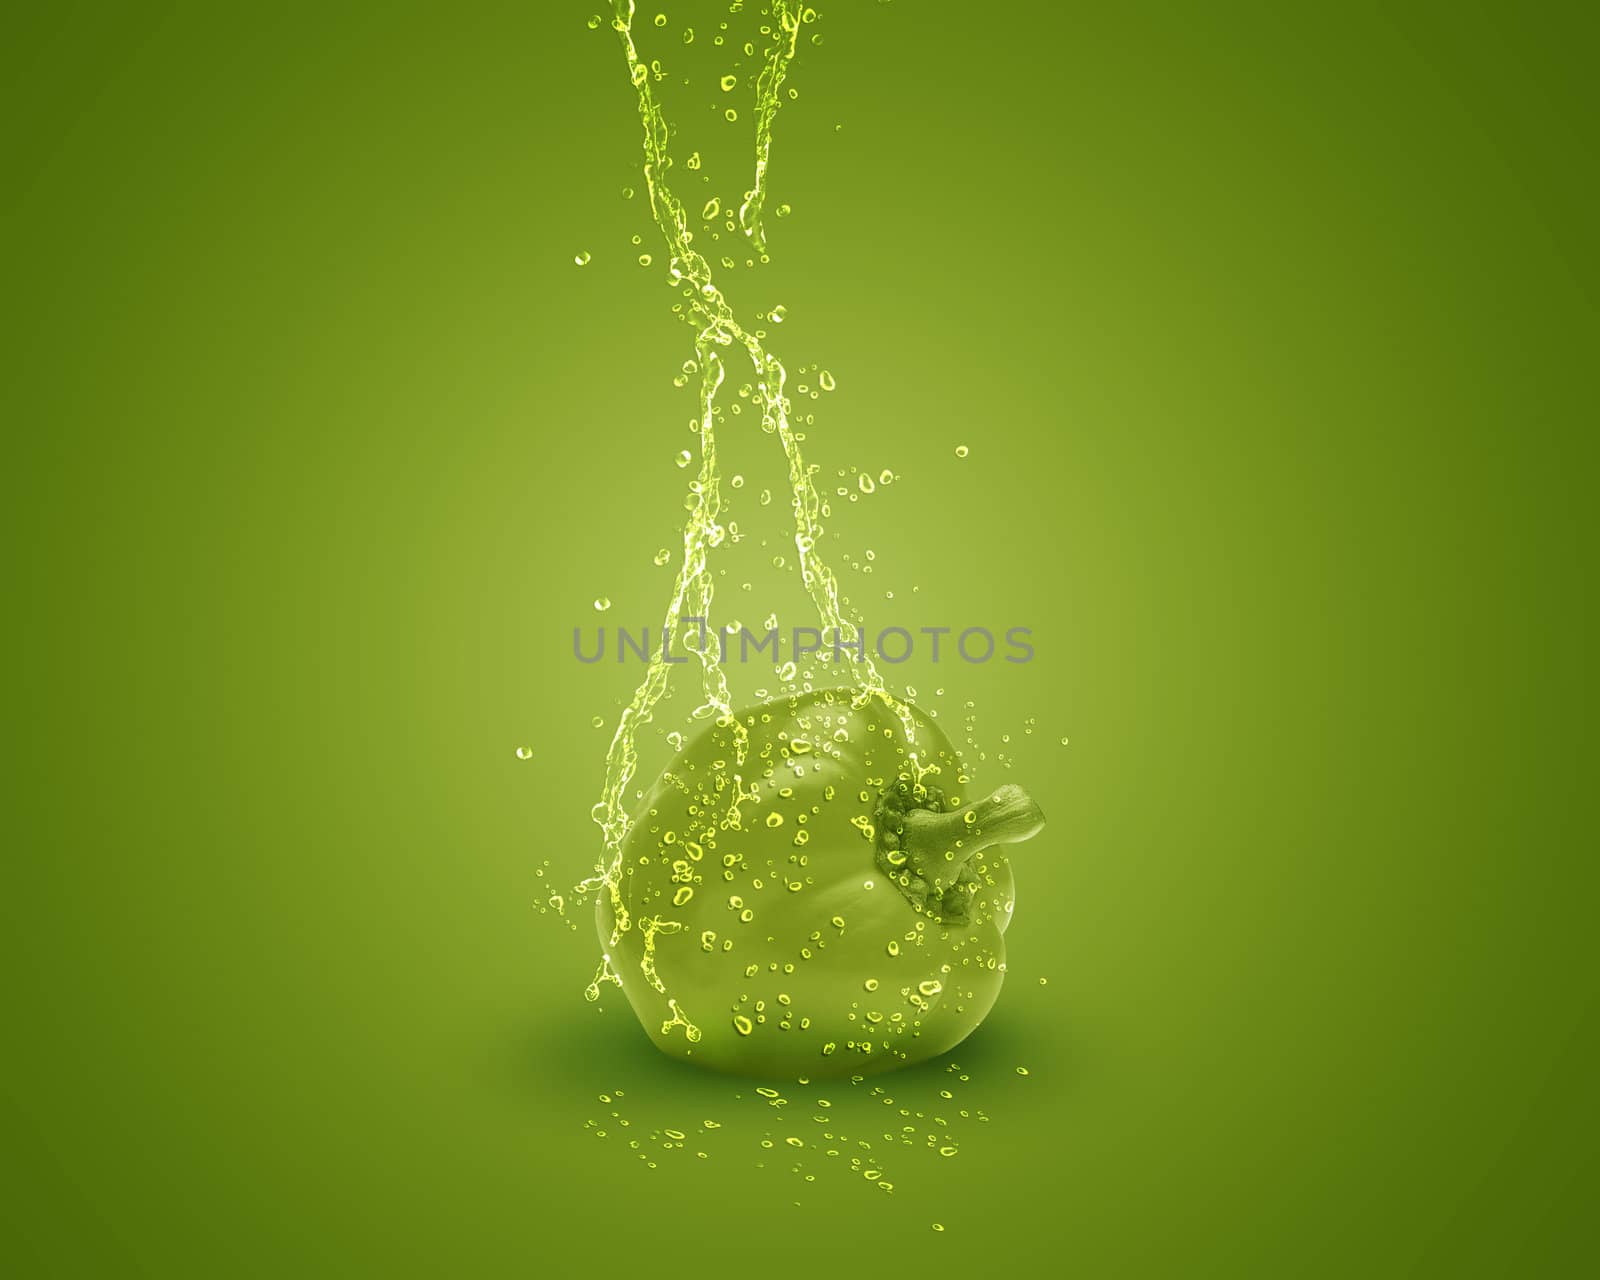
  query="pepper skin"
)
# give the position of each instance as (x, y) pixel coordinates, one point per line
(828, 907)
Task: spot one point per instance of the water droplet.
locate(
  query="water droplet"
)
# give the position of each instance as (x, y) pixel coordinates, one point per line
(865, 483)
(594, 22)
(886, 477)
(582, 259)
(662, 556)
(938, 1226)
(731, 114)
(684, 458)
(661, 21)
(784, 211)
(524, 753)
(737, 482)
(961, 451)
(598, 722)
(1022, 1071)
(728, 83)
(742, 1024)
(774, 819)
(777, 313)
(601, 604)
(766, 496)
(645, 259)
(627, 193)
(825, 381)
(713, 207)
(688, 35)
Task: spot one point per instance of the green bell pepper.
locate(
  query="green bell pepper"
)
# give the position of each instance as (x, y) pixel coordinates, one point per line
(824, 905)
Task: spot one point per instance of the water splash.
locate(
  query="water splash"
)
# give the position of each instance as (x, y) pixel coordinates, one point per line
(718, 337)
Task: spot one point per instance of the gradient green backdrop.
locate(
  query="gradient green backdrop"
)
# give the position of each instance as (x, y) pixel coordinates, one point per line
(1272, 330)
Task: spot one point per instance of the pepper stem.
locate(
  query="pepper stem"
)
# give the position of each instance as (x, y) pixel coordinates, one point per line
(938, 845)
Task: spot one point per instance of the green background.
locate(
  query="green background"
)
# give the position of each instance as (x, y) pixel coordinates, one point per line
(1272, 332)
